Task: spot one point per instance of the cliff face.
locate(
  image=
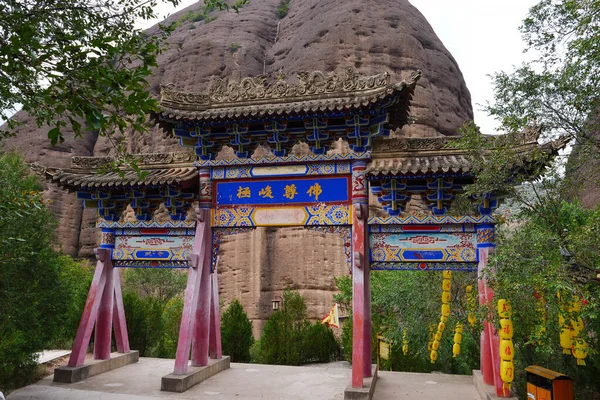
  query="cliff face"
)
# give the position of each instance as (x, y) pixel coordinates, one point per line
(389, 36)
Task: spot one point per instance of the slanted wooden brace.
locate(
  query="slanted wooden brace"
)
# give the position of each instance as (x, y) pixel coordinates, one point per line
(103, 308)
(200, 329)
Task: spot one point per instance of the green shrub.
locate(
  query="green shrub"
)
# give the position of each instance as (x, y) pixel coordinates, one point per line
(171, 322)
(40, 290)
(320, 344)
(283, 8)
(289, 339)
(144, 322)
(236, 333)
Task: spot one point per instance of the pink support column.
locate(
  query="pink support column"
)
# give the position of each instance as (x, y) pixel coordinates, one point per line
(90, 311)
(200, 251)
(490, 341)
(202, 324)
(190, 303)
(120, 326)
(103, 331)
(215, 349)
(361, 290)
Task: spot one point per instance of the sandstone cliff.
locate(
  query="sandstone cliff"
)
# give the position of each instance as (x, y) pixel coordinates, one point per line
(389, 35)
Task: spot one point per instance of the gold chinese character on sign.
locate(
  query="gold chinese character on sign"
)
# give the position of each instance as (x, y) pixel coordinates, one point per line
(290, 191)
(315, 190)
(266, 192)
(243, 192)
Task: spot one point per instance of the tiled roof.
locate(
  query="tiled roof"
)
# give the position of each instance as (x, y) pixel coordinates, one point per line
(314, 92)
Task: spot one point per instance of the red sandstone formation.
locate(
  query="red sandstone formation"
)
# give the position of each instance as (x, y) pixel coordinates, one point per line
(390, 36)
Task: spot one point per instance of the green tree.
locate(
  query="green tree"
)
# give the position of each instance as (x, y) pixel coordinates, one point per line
(236, 333)
(152, 298)
(559, 87)
(38, 292)
(289, 338)
(534, 261)
(411, 301)
(80, 64)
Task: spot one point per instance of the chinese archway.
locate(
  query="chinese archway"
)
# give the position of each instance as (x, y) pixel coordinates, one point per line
(207, 197)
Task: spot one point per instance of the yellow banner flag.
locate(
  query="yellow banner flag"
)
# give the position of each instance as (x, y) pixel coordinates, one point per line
(333, 318)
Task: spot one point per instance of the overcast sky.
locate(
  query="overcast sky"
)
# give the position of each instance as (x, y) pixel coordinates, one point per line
(482, 35)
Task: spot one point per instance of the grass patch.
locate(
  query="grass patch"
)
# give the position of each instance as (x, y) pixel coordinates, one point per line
(234, 47)
(283, 8)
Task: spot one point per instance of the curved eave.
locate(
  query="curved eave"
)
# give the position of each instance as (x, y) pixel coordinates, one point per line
(73, 180)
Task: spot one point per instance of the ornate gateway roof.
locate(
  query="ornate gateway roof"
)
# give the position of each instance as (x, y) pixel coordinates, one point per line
(318, 109)
(169, 178)
(315, 92)
(422, 156)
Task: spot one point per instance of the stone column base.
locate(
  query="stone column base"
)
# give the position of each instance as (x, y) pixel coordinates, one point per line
(488, 392)
(365, 392)
(95, 367)
(195, 375)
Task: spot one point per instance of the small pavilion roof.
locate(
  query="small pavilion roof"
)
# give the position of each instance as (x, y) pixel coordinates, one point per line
(314, 92)
(157, 169)
(437, 155)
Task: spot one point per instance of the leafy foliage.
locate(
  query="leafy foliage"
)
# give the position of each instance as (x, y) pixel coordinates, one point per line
(551, 252)
(289, 339)
(80, 64)
(153, 306)
(559, 88)
(283, 8)
(41, 292)
(236, 333)
(411, 300)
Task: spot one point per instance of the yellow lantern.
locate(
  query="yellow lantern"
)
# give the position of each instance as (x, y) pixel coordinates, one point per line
(579, 350)
(435, 345)
(438, 336)
(431, 336)
(504, 308)
(457, 338)
(445, 310)
(455, 350)
(447, 274)
(459, 328)
(444, 318)
(446, 285)
(507, 371)
(405, 342)
(506, 329)
(471, 305)
(445, 297)
(507, 350)
(577, 326)
(566, 340)
(433, 356)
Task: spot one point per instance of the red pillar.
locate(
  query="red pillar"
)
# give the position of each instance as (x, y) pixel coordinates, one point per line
(120, 326)
(202, 316)
(103, 331)
(361, 289)
(90, 311)
(215, 348)
(194, 326)
(490, 341)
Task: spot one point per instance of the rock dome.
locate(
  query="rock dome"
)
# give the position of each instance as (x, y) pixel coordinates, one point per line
(373, 37)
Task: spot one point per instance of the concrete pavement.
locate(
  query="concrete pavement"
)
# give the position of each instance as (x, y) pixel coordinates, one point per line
(249, 381)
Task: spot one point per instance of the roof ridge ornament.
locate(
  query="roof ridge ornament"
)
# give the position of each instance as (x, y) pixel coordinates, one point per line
(275, 87)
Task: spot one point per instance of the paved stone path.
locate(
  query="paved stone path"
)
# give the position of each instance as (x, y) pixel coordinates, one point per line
(249, 381)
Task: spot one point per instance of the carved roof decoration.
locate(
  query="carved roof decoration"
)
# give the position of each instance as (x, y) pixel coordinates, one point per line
(314, 92)
(148, 160)
(401, 156)
(158, 169)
